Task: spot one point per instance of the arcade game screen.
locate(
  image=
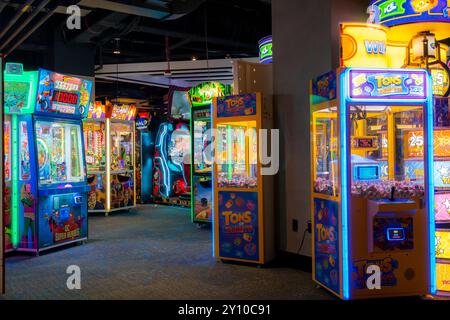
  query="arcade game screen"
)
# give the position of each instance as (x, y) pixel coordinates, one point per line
(179, 152)
(121, 146)
(59, 152)
(95, 145)
(236, 155)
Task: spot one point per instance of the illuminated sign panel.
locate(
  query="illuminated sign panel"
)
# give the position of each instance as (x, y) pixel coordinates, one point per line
(62, 94)
(124, 112)
(265, 50)
(396, 12)
(363, 45)
(398, 84)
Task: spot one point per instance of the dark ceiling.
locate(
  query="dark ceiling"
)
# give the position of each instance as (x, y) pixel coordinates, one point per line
(145, 28)
(34, 32)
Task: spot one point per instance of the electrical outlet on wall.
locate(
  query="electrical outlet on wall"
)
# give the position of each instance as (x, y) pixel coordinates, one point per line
(295, 225)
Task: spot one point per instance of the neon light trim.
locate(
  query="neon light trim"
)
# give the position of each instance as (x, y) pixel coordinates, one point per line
(430, 159)
(14, 182)
(344, 187)
(163, 160)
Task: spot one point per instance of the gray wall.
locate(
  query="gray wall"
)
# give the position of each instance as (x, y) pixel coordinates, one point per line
(306, 44)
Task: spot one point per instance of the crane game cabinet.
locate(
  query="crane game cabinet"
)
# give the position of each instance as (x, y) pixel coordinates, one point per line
(369, 213)
(201, 145)
(109, 142)
(243, 210)
(45, 174)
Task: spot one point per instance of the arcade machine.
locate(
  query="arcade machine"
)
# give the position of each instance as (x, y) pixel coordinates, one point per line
(46, 177)
(421, 27)
(109, 143)
(201, 145)
(363, 222)
(171, 169)
(145, 148)
(243, 210)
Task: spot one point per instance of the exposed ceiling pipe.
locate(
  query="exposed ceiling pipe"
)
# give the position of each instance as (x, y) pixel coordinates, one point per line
(36, 11)
(24, 8)
(41, 21)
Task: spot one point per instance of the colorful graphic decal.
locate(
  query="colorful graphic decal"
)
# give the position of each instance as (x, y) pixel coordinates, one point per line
(324, 87)
(414, 141)
(203, 94)
(66, 220)
(238, 225)
(381, 233)
(371, 84)
(442, 174)
(235, 106)
(442, 207)
(58, 93)
(443, 244)
(397, 12)
(326, 246)
(265, 50)
(440, 76)
(16, 95)
(414, 170)
(387, 266)
(7, 218)
(443, 276)
(202, 189)
(27, 203)
(122, 190)
(97, 195)
(97, 110)
(124, 112)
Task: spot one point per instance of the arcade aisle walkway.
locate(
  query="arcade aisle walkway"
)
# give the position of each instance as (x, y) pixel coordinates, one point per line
(150, 253)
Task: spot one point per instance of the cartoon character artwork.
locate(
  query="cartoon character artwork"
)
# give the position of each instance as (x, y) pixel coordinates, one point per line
(374, 14)
(7, 218)
(421, 6)
(28, 239)
(46, 95)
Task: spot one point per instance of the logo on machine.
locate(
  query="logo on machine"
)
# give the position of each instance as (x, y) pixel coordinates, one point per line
(375, 47)
(366, 275)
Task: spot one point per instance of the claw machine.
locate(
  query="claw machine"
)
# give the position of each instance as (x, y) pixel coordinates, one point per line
(243, 208)
(201, 145)
(46, 175)
(109, 133)
(373, 231)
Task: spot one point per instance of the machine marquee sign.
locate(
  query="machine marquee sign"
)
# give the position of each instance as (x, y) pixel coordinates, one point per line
(58, 93)
(397, 12)
(374, 84)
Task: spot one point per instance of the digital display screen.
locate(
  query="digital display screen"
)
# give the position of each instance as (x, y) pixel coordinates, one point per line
(396, 234)
(65, 97)
(366, 173)
(365, 143)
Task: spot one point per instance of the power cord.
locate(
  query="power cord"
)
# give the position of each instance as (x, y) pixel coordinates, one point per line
(303, 240)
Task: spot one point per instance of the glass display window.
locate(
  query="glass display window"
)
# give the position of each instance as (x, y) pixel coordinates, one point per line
(202, 146)
(237, 148)
(324, 147)
(95, 145)
(59, 152)
(121, 146)
(403, 177)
